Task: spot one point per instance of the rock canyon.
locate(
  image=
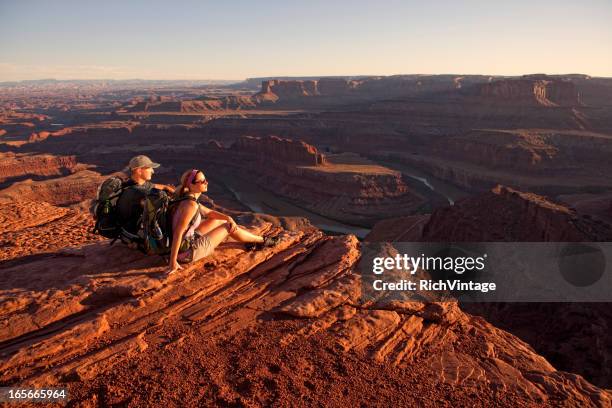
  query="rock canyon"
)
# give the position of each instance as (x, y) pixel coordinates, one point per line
(327, 164)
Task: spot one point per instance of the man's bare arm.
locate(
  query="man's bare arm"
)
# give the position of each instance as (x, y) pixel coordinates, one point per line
(165, 187)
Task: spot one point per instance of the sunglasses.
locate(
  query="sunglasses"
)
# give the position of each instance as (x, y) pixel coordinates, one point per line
(200, 181)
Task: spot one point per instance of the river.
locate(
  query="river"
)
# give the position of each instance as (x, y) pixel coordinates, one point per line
(261, 201)
(450, 192)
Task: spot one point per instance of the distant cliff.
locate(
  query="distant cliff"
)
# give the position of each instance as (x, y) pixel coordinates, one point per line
(549, 92)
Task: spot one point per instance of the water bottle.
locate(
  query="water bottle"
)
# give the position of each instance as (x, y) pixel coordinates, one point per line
(157, 231)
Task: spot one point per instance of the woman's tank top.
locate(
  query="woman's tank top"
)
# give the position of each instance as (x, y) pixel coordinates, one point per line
(193, 224)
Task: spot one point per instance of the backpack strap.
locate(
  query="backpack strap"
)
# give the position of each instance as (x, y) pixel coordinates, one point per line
(178, 200)
(124, 186)
(183, 199)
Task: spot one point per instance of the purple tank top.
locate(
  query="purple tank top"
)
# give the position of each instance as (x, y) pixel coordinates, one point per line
(193, 224)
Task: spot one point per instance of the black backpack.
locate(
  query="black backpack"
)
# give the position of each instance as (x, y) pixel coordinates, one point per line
(104, 208)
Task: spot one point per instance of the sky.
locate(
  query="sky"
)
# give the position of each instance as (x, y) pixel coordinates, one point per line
(234, 40)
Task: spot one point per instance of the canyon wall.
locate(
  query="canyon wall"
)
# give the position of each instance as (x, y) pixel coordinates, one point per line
(274, 148)
(507, 215)
(298, 172)
(15, 166)
(549, 92)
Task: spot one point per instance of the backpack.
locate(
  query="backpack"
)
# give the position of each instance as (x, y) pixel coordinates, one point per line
(104, 208)
(156, 223)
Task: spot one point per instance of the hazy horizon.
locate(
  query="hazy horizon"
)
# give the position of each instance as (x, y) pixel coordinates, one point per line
(234, 81)
(207, 41)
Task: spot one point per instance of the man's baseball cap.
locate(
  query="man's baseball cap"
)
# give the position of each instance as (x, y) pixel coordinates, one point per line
(141, 161)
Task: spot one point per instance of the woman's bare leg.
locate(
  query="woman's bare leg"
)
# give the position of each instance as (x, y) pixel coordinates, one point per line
(217, 235)
(241, 234)
(208, 225)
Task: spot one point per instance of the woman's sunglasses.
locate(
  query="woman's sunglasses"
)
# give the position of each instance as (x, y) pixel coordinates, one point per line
(200, 181)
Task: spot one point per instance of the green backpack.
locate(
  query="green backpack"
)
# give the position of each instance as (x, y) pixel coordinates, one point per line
(156, 223)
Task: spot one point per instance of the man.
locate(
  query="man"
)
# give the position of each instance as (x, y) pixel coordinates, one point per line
(129, 204)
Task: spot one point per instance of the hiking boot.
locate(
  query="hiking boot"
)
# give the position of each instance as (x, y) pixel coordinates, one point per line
(269, 241)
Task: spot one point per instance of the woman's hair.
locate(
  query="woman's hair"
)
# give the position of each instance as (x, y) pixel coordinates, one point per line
(186, 179)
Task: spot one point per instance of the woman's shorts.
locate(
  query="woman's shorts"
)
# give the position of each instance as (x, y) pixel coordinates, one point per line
(201, 247)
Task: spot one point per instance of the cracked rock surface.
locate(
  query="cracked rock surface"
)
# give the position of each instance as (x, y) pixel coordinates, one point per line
(284, 326)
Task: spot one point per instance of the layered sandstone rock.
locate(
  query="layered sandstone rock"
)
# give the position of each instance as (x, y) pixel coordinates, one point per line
(66, 190)
(585, 347)
(594, 91)
(546, 161)
(35, 229)
(336, 86)
(103, 129)
(518, 149)
(402, 229)
(281, 326)
(505, 214)
(203, 105)
(598, 205)
(356, 194)
(508, 215)
(526, 91)
(289, 89)
(563, 93)
(18, 165)
(16, 126)
(274, 148)
(375, 87)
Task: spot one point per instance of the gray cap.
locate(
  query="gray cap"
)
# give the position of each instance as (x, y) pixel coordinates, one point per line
(141, 161)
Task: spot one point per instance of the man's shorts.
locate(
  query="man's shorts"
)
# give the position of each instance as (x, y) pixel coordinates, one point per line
(200, 248)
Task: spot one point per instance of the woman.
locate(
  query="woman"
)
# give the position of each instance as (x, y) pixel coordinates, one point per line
(201, 236)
